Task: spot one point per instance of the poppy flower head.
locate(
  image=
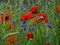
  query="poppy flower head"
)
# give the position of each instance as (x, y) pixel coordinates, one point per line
(34, 9)
(41, 18)
(57, 9)
(29, 35)
(9, 15)
(47, 43)
(26, 17)
(42, 15)
(6, 18)
(11, 40)
(2, 18)
(12, 26)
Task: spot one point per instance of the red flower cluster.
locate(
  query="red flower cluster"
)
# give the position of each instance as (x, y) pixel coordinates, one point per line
(41, 17)
(34, 9)
(5, 19)
(26, 17)
(57, 9)
(11, 40)
(44, 17)
(29, 35)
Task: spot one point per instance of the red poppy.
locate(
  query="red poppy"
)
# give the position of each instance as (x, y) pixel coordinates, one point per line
(47, 43)
(42, 15)
(2, 18)
(35, 20)
(34, 9)
(12, 26)
(9, 15)
(41, 18)
(57, 9)
(29, 35)
(11, 40)
(26, 17)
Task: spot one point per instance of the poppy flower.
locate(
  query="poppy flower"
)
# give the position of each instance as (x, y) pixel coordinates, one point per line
(29, 35)
(42, 15)
(57, 9)
(35, 20)
(47, 43)
(12, 26)
(26, 17)
(11, 40)
(9, 15)
(41, 18)
(2, 18)
(45, 21)
(34, 9)
(6, 18)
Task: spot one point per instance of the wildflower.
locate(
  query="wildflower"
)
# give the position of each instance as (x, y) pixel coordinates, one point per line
(57, 9)
(34, 9)
(2, 18)
(22, 7)
(9, 15)
(26, 17)
(49, 25)
(6, 18)
(12, 26)
(29, 35)
(23, 24)
(32, 28)
(25, 28)
(12, 21)
(47, 43)
(11, 40)
(41, 18)
(35, 20)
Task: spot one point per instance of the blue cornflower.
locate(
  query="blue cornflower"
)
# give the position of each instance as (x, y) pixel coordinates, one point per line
(32, 28)
(21, 7)
(49, 25)
(23, 24)
(25, 28)
(13, 21)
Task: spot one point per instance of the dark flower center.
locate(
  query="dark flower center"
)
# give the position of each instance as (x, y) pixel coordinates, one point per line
(6, 18)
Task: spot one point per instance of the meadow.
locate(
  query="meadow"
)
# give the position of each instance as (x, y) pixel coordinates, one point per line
(43, 34)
